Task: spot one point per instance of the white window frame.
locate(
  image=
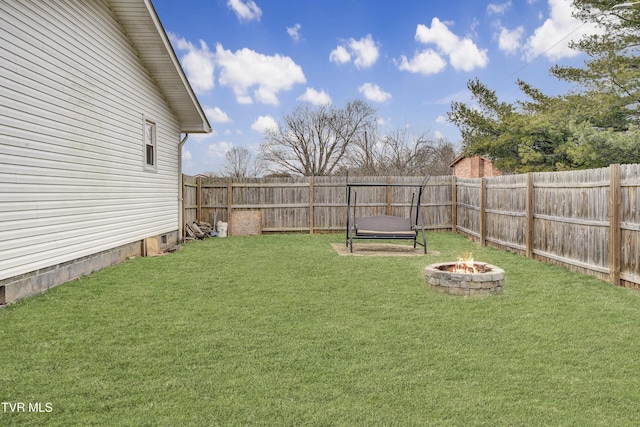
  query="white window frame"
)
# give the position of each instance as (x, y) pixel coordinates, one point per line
(149, 145)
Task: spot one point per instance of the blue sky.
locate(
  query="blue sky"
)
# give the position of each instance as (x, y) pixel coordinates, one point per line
(251, 61)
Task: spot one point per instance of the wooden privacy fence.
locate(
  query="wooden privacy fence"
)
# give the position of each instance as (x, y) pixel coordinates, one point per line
(587, 220)
(311, 204)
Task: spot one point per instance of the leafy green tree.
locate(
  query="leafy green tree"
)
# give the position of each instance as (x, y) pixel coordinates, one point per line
(613, 67)
(592, 126)
(519, 137)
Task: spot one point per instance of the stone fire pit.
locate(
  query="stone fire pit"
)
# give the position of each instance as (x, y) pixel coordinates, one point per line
(486, 278)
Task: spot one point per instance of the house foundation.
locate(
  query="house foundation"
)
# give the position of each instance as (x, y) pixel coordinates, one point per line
(36, 282)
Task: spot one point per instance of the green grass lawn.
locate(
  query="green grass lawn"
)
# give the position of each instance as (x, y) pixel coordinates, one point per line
(280, 330)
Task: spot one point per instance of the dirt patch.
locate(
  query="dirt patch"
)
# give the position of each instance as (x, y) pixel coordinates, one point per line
(380, 249)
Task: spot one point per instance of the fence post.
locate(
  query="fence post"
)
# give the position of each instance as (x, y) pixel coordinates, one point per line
(529, 216)
(199, 199)
(454, 204)
(183, 210)
(311, 202)
(483, 213)
(389, 195)
(614, 225)
(229, 201)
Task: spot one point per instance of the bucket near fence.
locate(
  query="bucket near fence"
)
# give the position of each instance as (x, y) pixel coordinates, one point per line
(222, 229)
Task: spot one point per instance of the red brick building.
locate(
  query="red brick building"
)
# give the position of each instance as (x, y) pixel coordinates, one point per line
(474, 167)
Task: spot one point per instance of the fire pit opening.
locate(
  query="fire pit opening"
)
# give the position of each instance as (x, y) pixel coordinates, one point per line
(465, 277)
(465, 268)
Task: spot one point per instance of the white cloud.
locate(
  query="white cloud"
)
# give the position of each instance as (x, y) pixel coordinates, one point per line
(552, 38)
(439, 34)
(509, 40)
(340, 55)
(245, 10)
(265, 94)
(498, 8)
(246, 69)
(264, 123)
(467, 57)
(294, 32)
(475, 23)
(463, 53)
(187, 159)
(218, 150)
(216, 115)
(314, 97)
(199, 138)
(425, 62)
(374, 93)
(364, 51)
(441, 119)
(198, 63)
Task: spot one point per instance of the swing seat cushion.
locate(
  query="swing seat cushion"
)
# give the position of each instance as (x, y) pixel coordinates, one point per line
(384, 226)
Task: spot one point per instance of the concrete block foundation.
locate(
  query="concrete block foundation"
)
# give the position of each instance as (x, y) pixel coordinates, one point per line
(39, 281)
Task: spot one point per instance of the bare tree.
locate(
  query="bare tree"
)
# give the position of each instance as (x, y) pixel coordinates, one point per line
(402, 153)
(443, 156)
(314, 142)
(364, 156)
(241, 164)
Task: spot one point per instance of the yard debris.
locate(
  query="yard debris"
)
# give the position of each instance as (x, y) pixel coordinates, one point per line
(198, 230)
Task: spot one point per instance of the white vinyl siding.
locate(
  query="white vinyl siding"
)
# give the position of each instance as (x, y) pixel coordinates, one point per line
(73, 95)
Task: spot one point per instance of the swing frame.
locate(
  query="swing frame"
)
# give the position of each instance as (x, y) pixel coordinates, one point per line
(386, 227)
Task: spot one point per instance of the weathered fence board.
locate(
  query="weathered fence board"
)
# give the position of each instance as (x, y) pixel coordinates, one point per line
(189, 198)
(468, 207)
(329, 203)
(505, 210)
(571, 218)
(629, 224)
(436, 203)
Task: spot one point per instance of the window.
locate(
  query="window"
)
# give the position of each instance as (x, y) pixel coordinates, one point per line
(150, 146)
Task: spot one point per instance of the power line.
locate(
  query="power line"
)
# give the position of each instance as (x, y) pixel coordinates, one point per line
(609, 7)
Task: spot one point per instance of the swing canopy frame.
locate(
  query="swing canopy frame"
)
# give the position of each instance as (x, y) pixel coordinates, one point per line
(386, 227)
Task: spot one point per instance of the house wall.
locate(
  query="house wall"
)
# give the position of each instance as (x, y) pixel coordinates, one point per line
(475, 167)
(462, 169)
(73, 99)
(490, 169)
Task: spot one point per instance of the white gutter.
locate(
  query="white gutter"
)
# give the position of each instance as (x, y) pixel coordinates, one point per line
(180, 192)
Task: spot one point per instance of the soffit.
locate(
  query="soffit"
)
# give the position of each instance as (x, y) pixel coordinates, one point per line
(143, 27)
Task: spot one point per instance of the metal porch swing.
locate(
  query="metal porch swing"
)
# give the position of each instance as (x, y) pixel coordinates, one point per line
(386, 227)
